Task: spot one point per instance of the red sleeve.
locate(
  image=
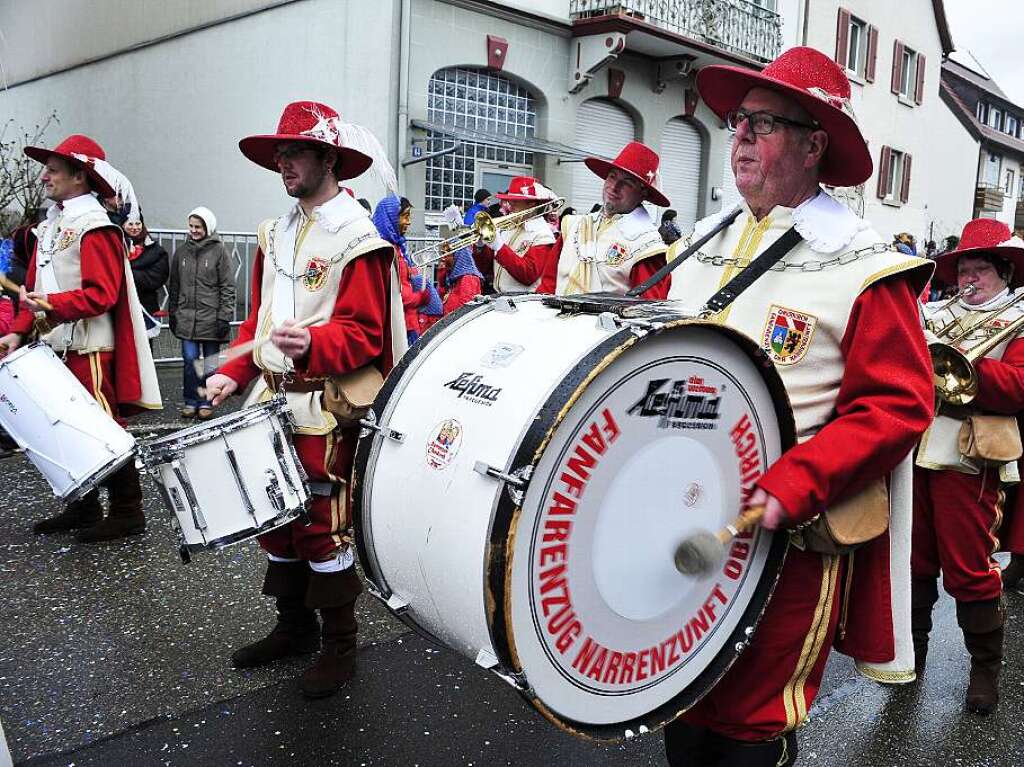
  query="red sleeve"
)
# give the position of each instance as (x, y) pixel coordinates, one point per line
(549, 275)
(6, 315)
(411, 299)
(102, 274)
(1001, 382)
(465, 288)
(644, 270)
(242, 369)
(529, 267)
(884, 405)
(354, 336)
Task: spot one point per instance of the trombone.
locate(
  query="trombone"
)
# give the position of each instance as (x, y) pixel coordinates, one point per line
(955, 372)
(947, 328)
(483, 229)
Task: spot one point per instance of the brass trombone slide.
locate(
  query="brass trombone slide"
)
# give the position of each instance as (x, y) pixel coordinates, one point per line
(955, 372)
(948, 327)
(483, 229)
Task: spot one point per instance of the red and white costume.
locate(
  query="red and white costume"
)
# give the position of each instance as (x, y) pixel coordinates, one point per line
(846, 340)
(81, 264)
(519, 259)
(958, 502)
(597, 253)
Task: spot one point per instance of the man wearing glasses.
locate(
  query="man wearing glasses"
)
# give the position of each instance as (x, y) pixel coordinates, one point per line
(617, 247)
(837, 314)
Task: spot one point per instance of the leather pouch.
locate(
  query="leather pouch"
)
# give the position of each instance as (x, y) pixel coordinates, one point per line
(990, 439)
(348, 397)
(850, 523)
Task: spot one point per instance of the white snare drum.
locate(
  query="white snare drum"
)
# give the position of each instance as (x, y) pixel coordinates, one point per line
(230, 479)
(526, 477)
(64, 431)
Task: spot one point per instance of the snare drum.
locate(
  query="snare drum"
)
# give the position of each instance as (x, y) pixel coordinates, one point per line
(64, 431)
(555, 454)
(230, 479)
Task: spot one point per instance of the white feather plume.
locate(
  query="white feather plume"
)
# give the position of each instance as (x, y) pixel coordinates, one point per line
(123, 189)
(359, 138)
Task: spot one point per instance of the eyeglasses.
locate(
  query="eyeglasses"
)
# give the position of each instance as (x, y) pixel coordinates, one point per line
(762, 123)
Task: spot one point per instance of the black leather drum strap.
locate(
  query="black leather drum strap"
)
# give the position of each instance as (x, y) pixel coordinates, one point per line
(659, 275)
(775, 253)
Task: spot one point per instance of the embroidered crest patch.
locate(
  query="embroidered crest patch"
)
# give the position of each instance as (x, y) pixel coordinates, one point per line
(315, 276)
(616, 254)
(66, 238)
(787, 334)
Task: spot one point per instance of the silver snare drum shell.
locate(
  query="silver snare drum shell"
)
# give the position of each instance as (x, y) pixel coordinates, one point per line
(230, 479)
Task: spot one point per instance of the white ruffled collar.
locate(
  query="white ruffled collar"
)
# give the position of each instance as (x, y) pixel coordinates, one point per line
(631, 224)
(825, 223)
(76, 206)
(335, 214)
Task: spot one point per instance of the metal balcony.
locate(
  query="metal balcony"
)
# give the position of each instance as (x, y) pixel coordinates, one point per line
(738, 26)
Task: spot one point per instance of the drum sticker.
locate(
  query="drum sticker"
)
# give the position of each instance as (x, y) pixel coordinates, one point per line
(616, 254)
(501, 355)
(687, 404)
(471, 386)
(787, 334)
(10, 405)
(315, 276)
(444, 445)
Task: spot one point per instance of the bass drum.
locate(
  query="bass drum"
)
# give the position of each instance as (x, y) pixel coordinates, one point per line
(525, 476)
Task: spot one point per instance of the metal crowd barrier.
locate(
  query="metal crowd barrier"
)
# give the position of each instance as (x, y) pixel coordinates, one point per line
(242, 246)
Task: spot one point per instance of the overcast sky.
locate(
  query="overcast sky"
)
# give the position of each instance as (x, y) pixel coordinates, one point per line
(993, 30)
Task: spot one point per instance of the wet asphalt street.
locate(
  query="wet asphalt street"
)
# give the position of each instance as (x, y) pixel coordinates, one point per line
(117, 654)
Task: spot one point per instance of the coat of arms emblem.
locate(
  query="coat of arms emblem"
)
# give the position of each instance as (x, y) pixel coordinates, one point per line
(787, 334)
(616, 254)
(315, 276)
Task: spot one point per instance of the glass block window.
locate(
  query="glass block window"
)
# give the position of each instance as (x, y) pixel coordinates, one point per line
(481, 100)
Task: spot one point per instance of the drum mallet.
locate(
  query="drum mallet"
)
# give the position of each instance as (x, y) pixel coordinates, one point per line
(699, 553)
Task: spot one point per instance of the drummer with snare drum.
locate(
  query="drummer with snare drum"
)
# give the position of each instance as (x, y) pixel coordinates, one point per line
(846, 339)
(80, 296)
(322, 259)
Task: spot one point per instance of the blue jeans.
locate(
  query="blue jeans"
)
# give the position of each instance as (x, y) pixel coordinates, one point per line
(190, 352)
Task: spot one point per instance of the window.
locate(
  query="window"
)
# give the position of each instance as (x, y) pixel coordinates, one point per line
(995, 118)
(908, 73)
(1008, 184)
(894, 176)
(983, 112)
(481, 100)
(856, 45)
(993, 170)
(1020, 188)
(1012, 125)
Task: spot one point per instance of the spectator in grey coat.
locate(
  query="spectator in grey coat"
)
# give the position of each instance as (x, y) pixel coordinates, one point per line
(201, 303)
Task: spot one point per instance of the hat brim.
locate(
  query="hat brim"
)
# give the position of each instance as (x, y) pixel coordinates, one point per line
(601, 168)
(261, 150)
(847, 160)
(520, 198)
(96, 181)
(945, 265)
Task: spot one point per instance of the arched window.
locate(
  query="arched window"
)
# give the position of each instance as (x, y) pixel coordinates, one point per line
(481, 100)
(602, 128)
(682, 152)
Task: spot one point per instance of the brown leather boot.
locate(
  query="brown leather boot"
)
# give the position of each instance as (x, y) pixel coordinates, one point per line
(924, 593)
(125, 517)
(1013, 572)
(334, 594)
(84, 512)
(297, 631)
(982, 624)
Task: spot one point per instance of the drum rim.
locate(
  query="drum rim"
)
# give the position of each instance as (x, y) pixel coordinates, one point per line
(505, 518)
(155, 451)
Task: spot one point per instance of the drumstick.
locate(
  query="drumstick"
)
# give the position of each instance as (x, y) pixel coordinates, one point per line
(699, 553)
(248, 347)
(11, 286)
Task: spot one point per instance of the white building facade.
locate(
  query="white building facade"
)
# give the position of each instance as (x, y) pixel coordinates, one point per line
(462, 93)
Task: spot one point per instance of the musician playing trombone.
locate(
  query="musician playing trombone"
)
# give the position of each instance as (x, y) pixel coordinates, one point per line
(971, 449)
(520, 254)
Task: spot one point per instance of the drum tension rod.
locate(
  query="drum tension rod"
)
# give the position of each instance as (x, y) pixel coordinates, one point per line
(370, 424)
(490, 471)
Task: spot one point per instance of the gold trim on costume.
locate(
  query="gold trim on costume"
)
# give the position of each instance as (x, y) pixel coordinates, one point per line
(746, 248)
(96, 368)
(886, 677)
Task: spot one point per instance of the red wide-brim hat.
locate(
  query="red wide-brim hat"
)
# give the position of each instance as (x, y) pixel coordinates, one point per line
(81, 152)
(307, 122)
(639, 161)
(981, 236)
(526, 189)
(819, 85)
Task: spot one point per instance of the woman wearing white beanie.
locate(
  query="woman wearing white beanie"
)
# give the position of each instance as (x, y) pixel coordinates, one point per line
(201, 303)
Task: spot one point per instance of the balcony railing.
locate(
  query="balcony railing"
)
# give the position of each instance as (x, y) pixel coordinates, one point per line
(737, 26)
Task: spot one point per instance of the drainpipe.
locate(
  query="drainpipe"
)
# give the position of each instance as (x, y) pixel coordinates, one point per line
(403, 92)
(805, 12)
